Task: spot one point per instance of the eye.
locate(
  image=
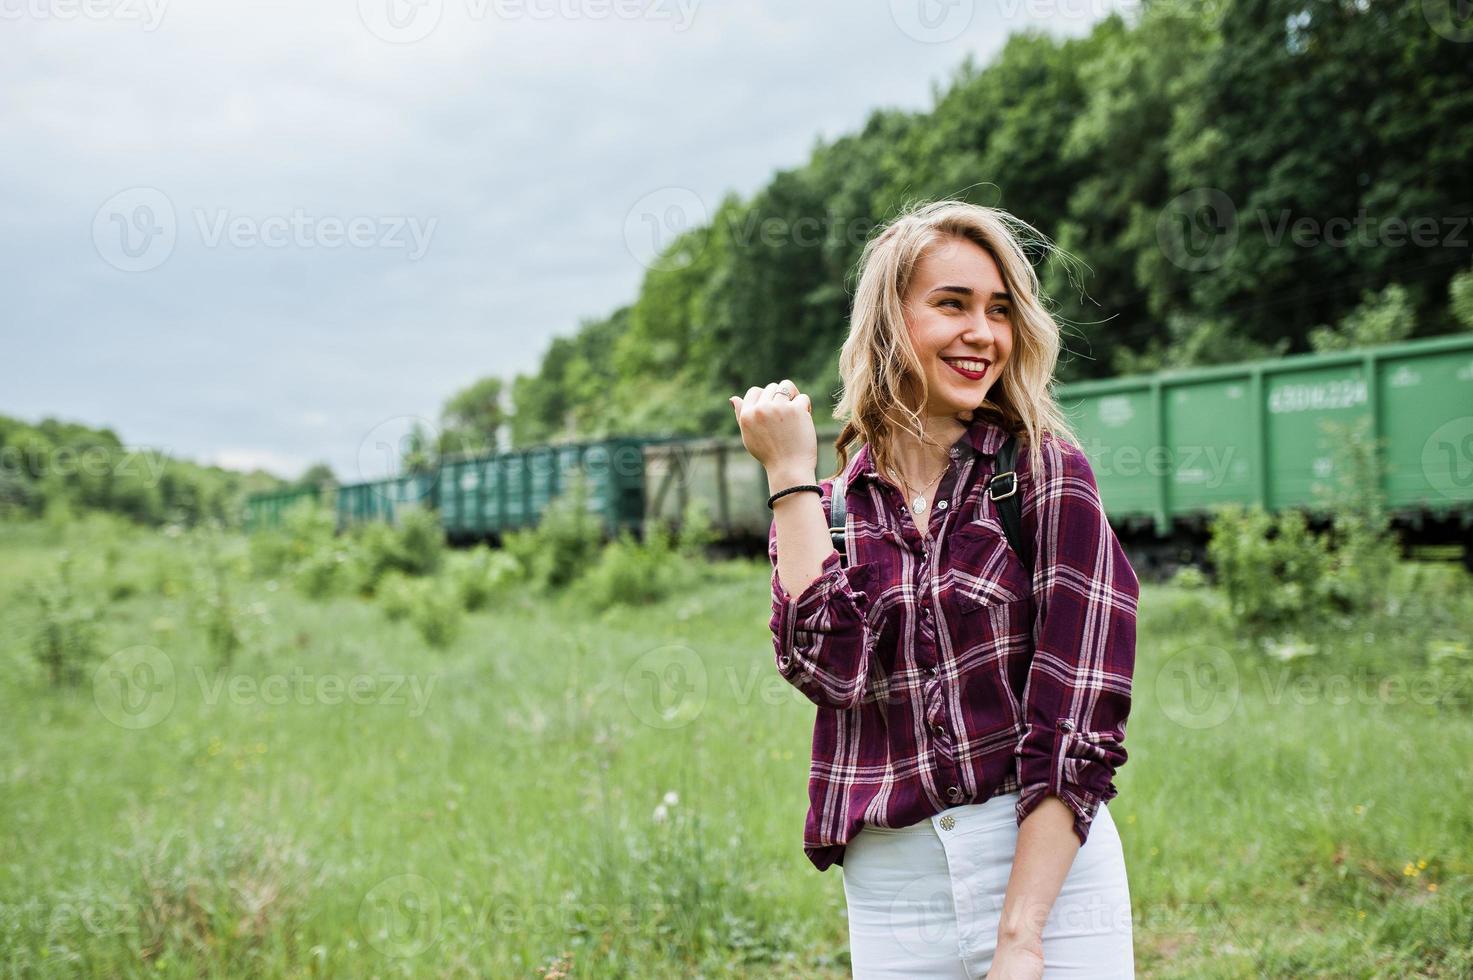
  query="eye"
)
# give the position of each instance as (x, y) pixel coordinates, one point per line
(956, 301)
(1000, 310)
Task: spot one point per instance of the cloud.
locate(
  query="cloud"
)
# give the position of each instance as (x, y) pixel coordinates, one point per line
(525, 139)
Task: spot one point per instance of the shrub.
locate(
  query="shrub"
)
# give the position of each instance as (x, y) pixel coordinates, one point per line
(479, 574)
(65, 642)
(324, 573)
(696, 530)
(436, 613)
(630, 572)
(562, 546)
(415, 547)
(1272, 569)
(421, 541)
(396, 595)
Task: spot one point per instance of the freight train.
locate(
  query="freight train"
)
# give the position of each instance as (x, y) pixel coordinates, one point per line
(1166, 448)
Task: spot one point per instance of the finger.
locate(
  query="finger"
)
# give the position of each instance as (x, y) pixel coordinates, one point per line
(771, 392)
(806, 402)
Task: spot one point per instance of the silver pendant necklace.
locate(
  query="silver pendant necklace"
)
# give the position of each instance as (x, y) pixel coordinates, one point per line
(918, 503)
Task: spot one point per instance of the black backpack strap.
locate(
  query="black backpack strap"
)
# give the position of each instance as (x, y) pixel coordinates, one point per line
(836, 518)
(1002, 487)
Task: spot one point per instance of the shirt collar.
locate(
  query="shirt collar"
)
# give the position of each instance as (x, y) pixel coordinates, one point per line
(984, 436)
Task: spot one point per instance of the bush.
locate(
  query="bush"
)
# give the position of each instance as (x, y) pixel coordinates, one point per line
(396, 596)
(630, 572)
(1273, 570)
(564, 544)
(696, 530)
(65, 643)
(479, 574)
(436, 613)
(421, 541)
(323, 574)
(415, 547)
(1283, 581)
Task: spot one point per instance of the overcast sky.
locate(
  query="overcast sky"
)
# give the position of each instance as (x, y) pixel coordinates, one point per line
(268, 233)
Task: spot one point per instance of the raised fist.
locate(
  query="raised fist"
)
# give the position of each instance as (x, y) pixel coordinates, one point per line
(776, 429)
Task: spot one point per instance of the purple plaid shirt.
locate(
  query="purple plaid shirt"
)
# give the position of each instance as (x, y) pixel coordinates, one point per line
(942, 675)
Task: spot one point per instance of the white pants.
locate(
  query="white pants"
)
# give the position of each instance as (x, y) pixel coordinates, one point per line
(925, 900)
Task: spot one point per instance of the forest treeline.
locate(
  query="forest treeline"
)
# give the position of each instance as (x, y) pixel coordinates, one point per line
(56, 468)
(1236, 179)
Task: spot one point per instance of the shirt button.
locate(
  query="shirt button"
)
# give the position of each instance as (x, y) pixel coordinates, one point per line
(784, 662)
(955, 453)
(953, 793)
(939, 730)
(941, 505)
(933, 671)
(1067, 725)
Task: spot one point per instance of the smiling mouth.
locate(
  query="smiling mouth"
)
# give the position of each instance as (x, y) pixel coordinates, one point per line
(971, 368)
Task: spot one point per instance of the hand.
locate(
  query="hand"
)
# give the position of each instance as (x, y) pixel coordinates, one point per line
(1018, 960)
(777, 430)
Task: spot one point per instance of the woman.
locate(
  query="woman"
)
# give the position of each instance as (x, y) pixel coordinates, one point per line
(971, 714)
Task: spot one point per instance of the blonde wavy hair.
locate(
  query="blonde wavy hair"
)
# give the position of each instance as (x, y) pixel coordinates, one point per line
(878, 357)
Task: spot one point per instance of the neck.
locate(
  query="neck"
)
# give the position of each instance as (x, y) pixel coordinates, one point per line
(919, 460)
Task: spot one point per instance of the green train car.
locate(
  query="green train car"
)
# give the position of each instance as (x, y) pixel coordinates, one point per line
(266, 510)
(385, 499)
(485, 495)
(1166, 448)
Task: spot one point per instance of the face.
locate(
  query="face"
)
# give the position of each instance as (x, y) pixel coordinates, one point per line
(958, 312)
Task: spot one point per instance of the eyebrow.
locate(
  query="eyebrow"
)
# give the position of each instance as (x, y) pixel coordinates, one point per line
(967, 291)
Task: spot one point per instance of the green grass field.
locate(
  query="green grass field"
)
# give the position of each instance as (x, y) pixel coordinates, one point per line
(343, 801)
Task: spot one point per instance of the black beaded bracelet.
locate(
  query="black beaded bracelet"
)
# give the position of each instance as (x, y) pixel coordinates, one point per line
(805, 486)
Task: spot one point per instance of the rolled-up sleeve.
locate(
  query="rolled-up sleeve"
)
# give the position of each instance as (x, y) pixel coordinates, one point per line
(1078, 693)
(821, 637)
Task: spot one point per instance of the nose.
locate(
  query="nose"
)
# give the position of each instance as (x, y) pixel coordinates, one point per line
(981, 334)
